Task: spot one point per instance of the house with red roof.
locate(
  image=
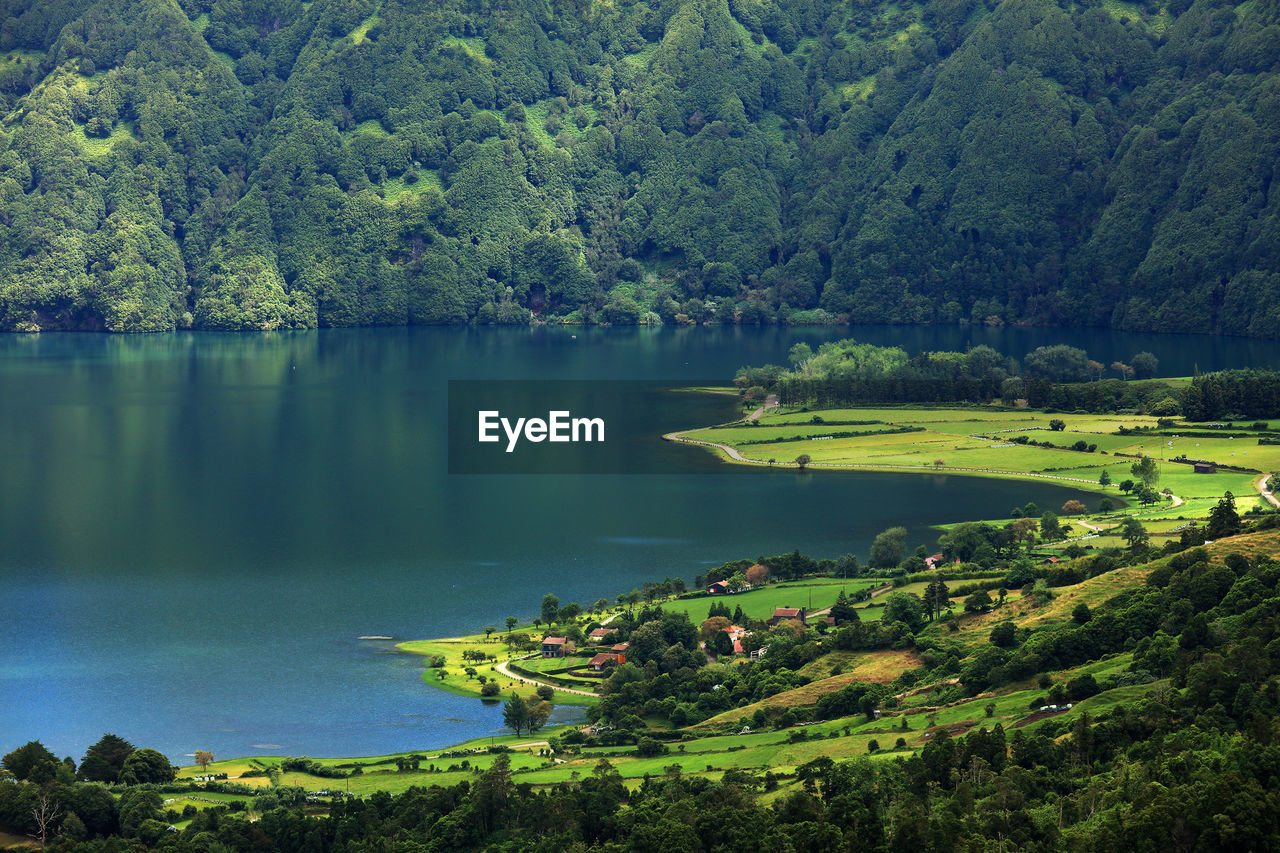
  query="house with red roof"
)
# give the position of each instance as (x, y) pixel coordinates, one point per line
(600, 661)
(557, 647)
(782, 614)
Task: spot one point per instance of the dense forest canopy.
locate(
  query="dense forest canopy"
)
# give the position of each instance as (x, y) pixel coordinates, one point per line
(263, 164)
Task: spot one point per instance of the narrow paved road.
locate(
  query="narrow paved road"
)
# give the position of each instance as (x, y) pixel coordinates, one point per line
(502, 668)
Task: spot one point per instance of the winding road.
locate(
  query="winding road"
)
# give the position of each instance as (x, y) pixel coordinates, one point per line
(502, 668)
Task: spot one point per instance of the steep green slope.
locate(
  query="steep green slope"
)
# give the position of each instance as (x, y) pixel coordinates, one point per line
(274, 163)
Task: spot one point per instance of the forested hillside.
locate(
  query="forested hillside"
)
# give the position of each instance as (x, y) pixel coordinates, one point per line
(264, 164)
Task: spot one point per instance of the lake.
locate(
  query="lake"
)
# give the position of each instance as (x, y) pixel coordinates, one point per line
(195, 528)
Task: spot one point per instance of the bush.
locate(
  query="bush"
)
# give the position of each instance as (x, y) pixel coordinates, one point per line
(490, 689)
(1082, 687)
(647, 747)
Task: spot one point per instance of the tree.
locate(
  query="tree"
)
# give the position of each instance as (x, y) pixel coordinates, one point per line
(45, 814)
(31, 762)
(802, 460)
(978, 602)
(937, 598)
(1223, 519)
(144, 766)
(104, 760)
(757, 574)
(888, 548)
(1057, 425)
(1082, 687)
(711, 626)
(204, 758)
(1058, 363)
(1104, 479)
(1144, 365)
(1024, 531)
(1073, 507)
(905, 608)
(1126, 486)
(511, 623)
(550, 608)
(1049, 527)
(1132, 531)
(1146, 471)
(515, 714)
(843, 611)
(539, 713)
(488, 632)
(1004, 635)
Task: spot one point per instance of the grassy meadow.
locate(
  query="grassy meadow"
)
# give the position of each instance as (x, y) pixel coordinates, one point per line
(979, 441)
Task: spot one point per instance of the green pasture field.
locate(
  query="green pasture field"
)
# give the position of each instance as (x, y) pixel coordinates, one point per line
(978, 440)
(760, 603)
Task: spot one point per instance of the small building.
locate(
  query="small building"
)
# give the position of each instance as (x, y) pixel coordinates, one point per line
(782, 614)
(932, 561)
(1205, 468)
(620, 651)
(598, 634)
(557, 647)
(736, 633)
(600, 661)
(718, 588)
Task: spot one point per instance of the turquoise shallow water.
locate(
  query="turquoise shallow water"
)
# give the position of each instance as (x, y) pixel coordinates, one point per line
(196, 528)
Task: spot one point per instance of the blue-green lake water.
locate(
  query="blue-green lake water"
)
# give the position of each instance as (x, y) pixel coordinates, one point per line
(196, 528)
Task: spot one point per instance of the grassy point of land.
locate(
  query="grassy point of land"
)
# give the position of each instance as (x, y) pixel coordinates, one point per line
(454, 678)
(987, 441)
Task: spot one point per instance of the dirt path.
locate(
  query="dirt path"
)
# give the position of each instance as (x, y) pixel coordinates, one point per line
(1261, 486)
(502, 668)
(769, 403)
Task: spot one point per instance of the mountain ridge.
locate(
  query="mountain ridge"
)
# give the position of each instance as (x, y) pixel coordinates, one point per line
(277, 164)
